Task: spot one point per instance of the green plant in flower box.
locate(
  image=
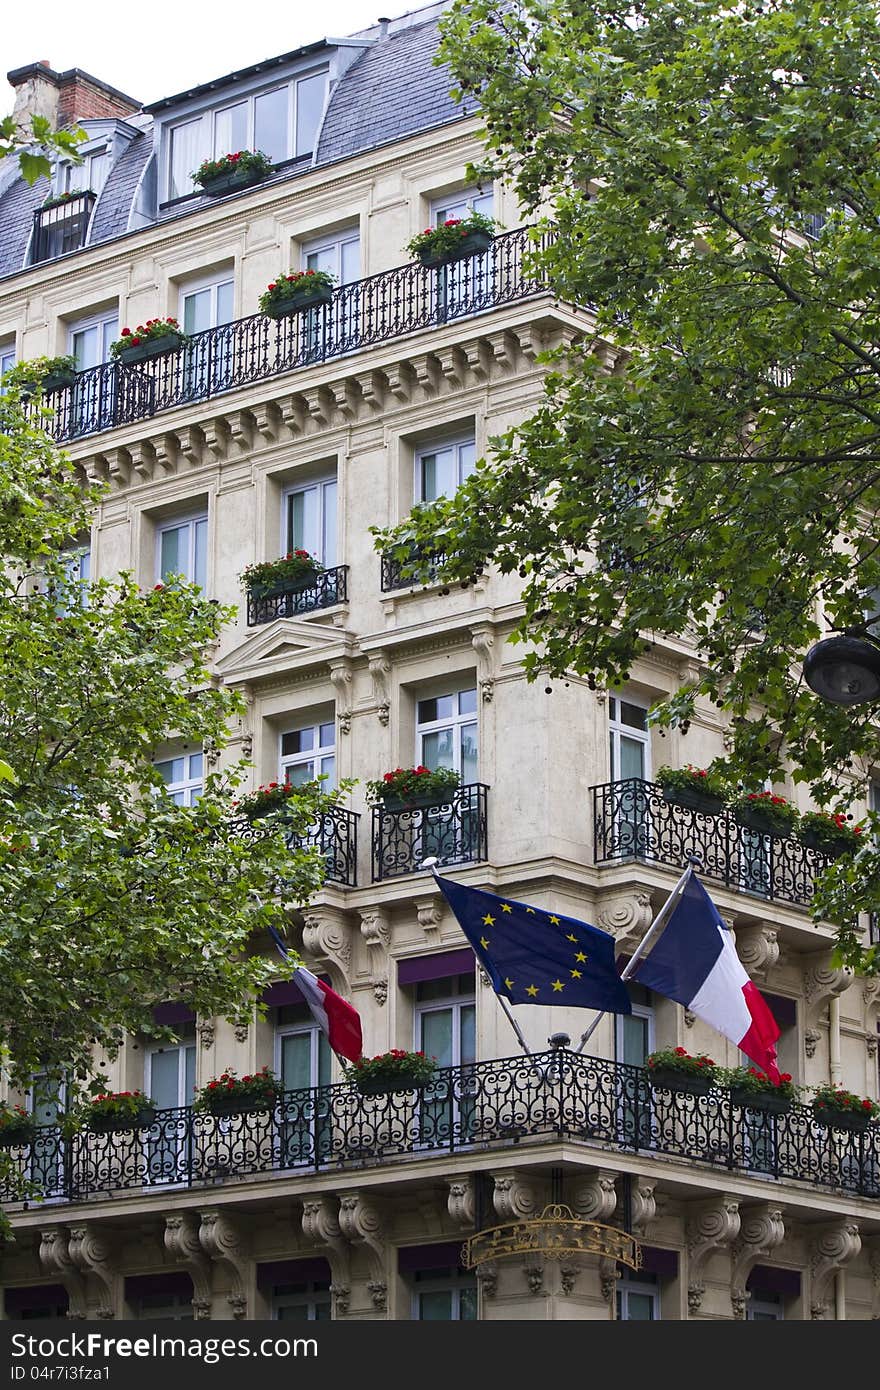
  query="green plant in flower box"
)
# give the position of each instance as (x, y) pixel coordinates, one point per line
(391, 1071)
(229, 1093)
(412, 785)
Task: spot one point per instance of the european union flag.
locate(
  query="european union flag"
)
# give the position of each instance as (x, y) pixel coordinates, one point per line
(533, 956)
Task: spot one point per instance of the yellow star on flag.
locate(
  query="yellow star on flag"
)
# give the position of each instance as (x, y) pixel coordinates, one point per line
(484, 943)
(554, 921)
(531, 910)
(576, 974)
(557, 986)
(571, 938)
(509, 983)
(532, 990)
(488, 920)
(505, 907)
(579, 955)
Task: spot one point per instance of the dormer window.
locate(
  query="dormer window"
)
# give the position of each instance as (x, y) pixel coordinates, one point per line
(91, 175)
(282, 121)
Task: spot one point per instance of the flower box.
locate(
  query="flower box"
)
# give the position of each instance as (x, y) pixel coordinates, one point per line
(392, 1071)
(668, 1079)
(693, 799)
(476, 243)
(229, 1094)
(294, 584)
(229, 182)
(770, 1102)
(752, 819)
(114, 1124)
(237, 1105)
(381, 1086)
(300, 299)
(54, 381)
(851, 1121)
(154, 347)
(827, 844)
(417, 800)
(18, 1131)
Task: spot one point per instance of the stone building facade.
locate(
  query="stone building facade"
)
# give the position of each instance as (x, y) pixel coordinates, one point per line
(309, 431)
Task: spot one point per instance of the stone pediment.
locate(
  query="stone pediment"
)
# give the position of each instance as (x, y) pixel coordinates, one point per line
(283, 645)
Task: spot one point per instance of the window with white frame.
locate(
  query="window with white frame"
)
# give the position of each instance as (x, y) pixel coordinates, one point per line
(339, 254)
(445, 1020)
(630, 740)
(309, 752)
(444, 1295)
(638, 1298)
(765, 1307)
(7, 357)
(182, 550)
(282, 121)
(89, 338)
(308, 1301)
(170, 1073)
(309, 520)
(302, 1052)
(442, 468)
(206, 303)
(74, 589)
(164, 1307)
(460, 205)
(183, 777)
(634, 1038)
(90, 176)
(447, 733)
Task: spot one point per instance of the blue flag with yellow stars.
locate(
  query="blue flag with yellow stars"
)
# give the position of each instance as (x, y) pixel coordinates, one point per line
(533, 956)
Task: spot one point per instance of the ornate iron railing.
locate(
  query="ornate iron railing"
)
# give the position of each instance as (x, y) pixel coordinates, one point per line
(484, 1105)
(61, 228)
(453, 830)
(334, 833)
(326, 588)
(633, 820)
(392, 578)
(390, 305)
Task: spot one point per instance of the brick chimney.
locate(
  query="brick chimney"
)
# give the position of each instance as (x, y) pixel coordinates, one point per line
(65, 98)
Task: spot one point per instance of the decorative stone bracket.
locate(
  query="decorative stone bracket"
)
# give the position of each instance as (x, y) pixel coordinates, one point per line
(762, 1229)
(711, 1226)
(320, 1226)
(833, 1247)
(627, 917)
(222, 1239)
(183, 1245)
(824, 981)
(327, 940)
(595, 1197)
(362, 1222)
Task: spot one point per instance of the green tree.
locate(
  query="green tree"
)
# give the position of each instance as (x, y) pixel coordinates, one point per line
(37, 148)
(711, 471)
(113, 897)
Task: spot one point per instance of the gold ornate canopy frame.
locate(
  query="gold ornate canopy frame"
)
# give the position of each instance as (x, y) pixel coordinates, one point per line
(556, 1234)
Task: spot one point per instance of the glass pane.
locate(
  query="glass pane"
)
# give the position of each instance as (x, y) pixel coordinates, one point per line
(351, 261)
(435, 1307)
(200, 557)
(292, 1312)
(109, 330)
(324, 258)
(635, 1040)
(324, 1059)
(296, 1061)
(322, 1312)
(468, 1033)
(437, 475)
(85, 348)
(47, 1101)
(185, 157)
(467, 702)
(328, 555)
(467, 458)
(224, 303)
(633, 715)
(437, 749)
(469, 761)
(197, 311)
(468, 1305)
(309, 105)
(171, 770)
(432, 710)
(632, 758)
(437, 1037)
(326, 735)
(164, 1082)
(303, 520)
(270, 123)
(298, 773)
(189, 1078)
(298, 741)
(639, 1307)
(195, 766)
(230, 130)
(172, 552)
(327, 768)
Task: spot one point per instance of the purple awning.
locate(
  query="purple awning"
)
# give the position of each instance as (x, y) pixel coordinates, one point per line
(767, 1279)
(315, 1270)
(286, 992)
(35, 1296)
(436, 966)
(446, 1255)
(176, 1283)
(663, 1263)
(173, 1014)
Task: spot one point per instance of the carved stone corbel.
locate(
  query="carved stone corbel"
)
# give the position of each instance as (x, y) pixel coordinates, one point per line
(216, 435)
(811, 1041)
(183, 1245)
(689, 1018)
(515, 1196)
(293, 413)
(452, 365)
(362, 1221)
(207, 1033)
(503, 347)
(608, 1277)
(55, 1259)
(487, 1278)
(372, 388)
(430, 914)
(825, 981)
(757, 948)
(319, 404)
(870, 989)
(267, 420)
(871, 1045)
(92, 1250)
(627, 917)
(327, 938)
(476, 355)
(166, 451)
(376, 931)
(142, 460)
(644, 1204)
(380, 668)
(460, 1201)
(594, 1198)
(320, 1226)
(241, 1031)
(567, 1276)
(711, 1226)
(482, 641)
(340, 679)
(222, 1239)
(833, 1247)
(762, 1229)
(534, 1273)
(118, 467)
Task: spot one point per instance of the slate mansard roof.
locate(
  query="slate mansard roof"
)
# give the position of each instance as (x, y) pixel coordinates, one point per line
(390, 91)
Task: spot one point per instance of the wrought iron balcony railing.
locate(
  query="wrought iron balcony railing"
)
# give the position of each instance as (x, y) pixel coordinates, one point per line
(633, 820)
(334, 833)
(326, 588)
(454, 830)
(481, 1106)
(61, 228)
(390, 305)
(391, 577)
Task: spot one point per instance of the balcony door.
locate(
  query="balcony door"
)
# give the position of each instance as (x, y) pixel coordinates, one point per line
(209, 361)
(634, 1040)
(467, 285)
(445, 1028)
(94, 394)
(302, 1060)
(447, 736)
(309, 520)
(47, 1102)
(170, 1078)
(630, 760)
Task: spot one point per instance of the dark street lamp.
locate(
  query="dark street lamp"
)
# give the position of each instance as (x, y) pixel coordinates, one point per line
(845, 670)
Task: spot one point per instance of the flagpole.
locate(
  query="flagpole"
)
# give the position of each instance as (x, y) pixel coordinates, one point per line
(653, 931)
(432, 865)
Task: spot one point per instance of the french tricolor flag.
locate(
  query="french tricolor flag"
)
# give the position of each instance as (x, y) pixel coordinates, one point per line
(334, 1015)
(695, 963)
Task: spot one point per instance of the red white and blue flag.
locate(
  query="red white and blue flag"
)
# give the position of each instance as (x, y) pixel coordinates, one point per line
(338, 1020)
(695, 963)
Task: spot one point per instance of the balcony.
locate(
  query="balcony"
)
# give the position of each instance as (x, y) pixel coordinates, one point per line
(454, 831)
(334, 833)
(405, 300)
(633, 821)
(61, 228)
(326, 588)
(391, 577)
(479, 1107)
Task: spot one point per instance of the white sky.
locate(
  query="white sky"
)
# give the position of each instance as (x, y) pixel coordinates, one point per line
(155, 48)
